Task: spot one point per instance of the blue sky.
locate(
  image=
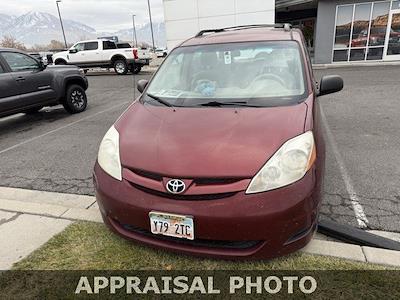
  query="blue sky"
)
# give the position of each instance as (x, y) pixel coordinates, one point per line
(103, 15)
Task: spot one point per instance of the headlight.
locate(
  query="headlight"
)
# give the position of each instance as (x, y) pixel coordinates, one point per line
(108, 157)
(289, 164)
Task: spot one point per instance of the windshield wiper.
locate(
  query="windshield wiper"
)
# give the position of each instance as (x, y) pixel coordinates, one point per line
(219, 104)
(159, 100)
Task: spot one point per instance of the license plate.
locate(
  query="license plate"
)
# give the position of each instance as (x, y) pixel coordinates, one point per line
(172, 225)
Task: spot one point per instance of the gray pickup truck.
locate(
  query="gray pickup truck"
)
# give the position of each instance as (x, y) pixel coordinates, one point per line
(26, 85)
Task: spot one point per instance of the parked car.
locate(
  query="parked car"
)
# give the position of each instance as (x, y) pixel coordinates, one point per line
(223, 153)
(27, 85)
(161, 52)
(37, 56)
(103, 54)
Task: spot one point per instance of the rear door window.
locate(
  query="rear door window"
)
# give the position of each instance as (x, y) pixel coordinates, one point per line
(108, 45)
(1, 69)
(91, 46)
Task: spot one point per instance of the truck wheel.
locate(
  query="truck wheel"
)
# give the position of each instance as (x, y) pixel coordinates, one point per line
(60, 62)
(120, 67)
(75, 100)
(136, 69)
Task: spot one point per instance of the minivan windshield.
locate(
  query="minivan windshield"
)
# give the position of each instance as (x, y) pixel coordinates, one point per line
(255, 73)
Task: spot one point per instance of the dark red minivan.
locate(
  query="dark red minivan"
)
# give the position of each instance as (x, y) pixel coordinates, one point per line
(222, 155)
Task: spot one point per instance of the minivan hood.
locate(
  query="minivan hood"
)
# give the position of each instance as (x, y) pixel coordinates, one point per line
(205, 142)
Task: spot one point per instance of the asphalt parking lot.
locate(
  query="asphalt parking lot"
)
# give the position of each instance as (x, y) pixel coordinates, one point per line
(54, 151)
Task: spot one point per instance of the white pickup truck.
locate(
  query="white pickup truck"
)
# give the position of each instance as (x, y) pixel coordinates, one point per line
(103, 53)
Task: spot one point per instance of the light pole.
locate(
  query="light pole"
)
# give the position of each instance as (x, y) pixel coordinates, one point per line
(134, 31)
(151, 26)
(62, 26)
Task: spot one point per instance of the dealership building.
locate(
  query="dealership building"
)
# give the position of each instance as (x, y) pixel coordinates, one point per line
(337, 31)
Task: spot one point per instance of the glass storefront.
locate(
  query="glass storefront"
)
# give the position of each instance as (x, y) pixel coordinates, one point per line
(367, 31)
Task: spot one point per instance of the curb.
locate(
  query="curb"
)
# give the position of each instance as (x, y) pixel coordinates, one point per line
(84, 208)
(50, 204)
(335, 249)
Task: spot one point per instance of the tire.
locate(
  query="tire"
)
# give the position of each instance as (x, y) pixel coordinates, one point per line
(136, 69)
(33, 111)
(60, 62)
(75, 100)
(120, 67)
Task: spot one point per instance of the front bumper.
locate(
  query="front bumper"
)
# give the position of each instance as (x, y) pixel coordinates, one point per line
(257, 226)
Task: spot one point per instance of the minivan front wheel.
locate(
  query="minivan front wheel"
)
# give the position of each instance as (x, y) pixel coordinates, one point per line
(120, 67)
(75, 100)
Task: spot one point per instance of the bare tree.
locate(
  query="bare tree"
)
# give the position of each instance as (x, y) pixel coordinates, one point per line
(54, 44)
(9, 41)
(37, 48)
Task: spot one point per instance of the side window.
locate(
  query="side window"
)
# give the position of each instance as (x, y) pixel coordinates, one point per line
(308, 57)
(20, 62)
(91, 46)
(79, 47)
(1, 69)
(107, 45)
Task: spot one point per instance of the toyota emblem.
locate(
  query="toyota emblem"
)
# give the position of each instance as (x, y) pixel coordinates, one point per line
(175, 186)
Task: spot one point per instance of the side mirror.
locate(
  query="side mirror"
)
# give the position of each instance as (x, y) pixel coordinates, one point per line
(72, 51)
(141, 85)
(330, 84)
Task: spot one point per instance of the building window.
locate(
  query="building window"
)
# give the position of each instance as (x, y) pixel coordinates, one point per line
(344, 17)
(394, 38)
(361, 25)
(360, 31)
(340, 55)
(377, 34)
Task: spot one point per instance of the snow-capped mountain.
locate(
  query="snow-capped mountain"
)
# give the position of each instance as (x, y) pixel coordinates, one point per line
(5, 21)
(39, 28)
(143, 33)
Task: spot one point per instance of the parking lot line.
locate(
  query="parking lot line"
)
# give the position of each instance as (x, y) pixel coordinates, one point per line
(62, 127)
(355, 201)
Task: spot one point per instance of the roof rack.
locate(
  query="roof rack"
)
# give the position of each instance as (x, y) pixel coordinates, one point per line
(285, 26)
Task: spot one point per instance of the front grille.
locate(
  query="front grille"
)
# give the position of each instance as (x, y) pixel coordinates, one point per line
(216, 181)
(147, 174)
(238, 245)
(197, 181)
(184, 197)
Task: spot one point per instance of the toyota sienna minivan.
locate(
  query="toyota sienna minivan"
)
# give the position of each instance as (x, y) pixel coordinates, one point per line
(222, 154)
